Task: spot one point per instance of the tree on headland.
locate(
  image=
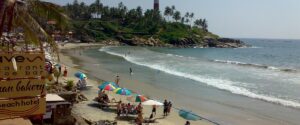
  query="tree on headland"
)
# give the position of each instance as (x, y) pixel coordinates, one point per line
(139, 11)
(191, 16)
(204, 24)
(96, 7)
(123, 23)
(201, 23)
(173, 9)
(177, 16)
(182, 20)
(168, 12)
(187, 15)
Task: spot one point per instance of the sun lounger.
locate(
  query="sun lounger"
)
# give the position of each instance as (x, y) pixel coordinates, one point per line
(106, 105)
(147, 121)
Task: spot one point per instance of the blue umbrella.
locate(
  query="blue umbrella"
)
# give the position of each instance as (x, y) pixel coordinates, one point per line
(104, 84)
(122, 91)
(80, 75)
(188, 115)
(57, 65)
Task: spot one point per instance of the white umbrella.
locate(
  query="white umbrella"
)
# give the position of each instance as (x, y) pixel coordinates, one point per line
(152, 102)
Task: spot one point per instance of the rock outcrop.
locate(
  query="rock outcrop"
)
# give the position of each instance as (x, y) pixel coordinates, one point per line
(186, 42)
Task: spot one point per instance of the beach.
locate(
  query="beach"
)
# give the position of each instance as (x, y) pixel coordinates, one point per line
(223, 101)
(89, 110)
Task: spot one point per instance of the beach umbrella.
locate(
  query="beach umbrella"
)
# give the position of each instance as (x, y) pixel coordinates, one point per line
(106, 83)
(188, 115)
(57, 65)
(140, 98)
(80, 75)
(109, 87)
(152, 102)
(122, 91)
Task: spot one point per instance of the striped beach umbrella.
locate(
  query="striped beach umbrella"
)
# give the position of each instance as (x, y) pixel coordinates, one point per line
(106, 83)
(109, 87)
(122, 91)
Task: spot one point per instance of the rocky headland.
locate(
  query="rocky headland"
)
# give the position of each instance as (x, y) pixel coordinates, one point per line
(182, 43)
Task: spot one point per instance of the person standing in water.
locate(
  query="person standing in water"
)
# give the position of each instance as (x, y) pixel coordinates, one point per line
(117, 80)
(130, 71)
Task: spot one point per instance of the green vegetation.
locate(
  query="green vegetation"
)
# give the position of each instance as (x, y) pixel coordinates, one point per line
(70, 85)
(100, 22)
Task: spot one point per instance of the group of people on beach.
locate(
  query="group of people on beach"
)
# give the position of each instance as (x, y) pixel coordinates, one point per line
(103, 98)
(125, 109)
(55, 69)
(167, 107)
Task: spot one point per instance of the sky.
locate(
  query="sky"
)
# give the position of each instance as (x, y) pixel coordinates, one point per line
(274, 19)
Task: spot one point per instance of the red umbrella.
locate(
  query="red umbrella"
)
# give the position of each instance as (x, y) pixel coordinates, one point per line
(140, 98)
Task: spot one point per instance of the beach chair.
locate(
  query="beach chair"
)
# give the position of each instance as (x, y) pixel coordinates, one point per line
(103, 105)
(148, 121)
(82, 85)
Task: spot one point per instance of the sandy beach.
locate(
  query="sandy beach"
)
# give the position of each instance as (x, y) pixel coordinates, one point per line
(89, 110)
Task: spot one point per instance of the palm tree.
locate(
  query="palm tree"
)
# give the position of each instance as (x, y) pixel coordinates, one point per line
(187, 20)
(96, 7)
(30, 15)
(172, 10)
(139, 11)
(177, 16)
(168, 11)
(183, 20)
(204, 24)
(191, 17)
(187, 15)
(198, 23)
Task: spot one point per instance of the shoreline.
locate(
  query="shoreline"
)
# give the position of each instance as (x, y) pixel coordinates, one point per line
(84, 108)
(216, 110)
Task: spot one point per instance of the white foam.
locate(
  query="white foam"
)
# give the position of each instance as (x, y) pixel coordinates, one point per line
(215, 82)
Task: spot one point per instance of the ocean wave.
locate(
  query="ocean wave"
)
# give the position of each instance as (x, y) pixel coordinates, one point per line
(179, 56)
(255, 65)
(221, 84)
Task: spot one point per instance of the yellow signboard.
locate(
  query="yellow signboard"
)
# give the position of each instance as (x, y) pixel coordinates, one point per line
(22, 107)
(28, 65)
(21, 88)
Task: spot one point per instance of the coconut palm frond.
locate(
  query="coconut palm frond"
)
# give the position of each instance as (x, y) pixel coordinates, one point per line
(33, 31)
(30, 35)
(49, 11)
(30, 15)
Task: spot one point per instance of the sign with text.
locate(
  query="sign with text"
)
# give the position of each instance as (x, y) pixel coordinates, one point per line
(22, 107)
(29, 65)
(21, 88)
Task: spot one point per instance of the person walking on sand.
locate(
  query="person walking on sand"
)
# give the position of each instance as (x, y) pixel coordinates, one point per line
(117, 80)
(169, 107)
(154, 109)
(165, 107)
(65, 72)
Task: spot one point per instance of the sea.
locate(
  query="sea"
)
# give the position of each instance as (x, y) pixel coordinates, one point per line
(256, 84)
